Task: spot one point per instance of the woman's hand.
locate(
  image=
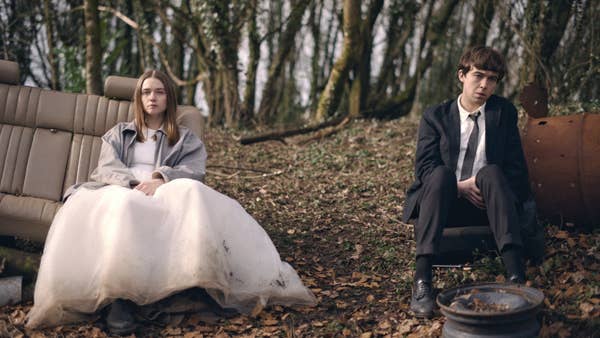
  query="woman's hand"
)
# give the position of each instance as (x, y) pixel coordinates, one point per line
(150, 186)
(469, 190)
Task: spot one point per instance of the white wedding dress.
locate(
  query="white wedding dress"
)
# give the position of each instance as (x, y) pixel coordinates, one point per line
(116, 242)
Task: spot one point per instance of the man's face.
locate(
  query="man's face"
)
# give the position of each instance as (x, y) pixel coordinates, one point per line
(478, 86)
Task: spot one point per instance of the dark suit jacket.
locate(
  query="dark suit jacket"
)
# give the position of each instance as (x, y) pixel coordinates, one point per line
(439, 142)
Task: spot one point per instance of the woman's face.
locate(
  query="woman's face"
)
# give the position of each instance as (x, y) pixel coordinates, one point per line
(154, 98)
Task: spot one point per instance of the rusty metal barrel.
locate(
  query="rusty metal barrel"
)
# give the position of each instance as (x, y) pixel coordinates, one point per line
(563, 156)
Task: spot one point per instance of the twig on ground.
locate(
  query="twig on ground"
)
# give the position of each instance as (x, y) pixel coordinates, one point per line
(236, 174)
(326, 132)
(238, 168)
(280, 135)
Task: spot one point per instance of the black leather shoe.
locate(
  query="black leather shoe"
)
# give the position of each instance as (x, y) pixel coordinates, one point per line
(516, 279)
(120, 320)
(516, 274)
(514, 264)
(422, 303)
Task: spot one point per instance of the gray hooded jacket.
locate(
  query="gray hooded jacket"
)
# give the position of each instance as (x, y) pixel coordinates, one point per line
(185, 159)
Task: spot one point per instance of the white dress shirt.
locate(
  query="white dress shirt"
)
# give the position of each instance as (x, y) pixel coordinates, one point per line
(466, 126)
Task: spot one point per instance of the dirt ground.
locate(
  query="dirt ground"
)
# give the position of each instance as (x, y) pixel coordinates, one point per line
(332, 207)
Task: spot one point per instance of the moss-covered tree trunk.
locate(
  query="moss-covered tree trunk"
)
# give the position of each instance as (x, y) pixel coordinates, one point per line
(20, 262)
(547, 22)
(331, 95)
(362, 71)
(93, 51)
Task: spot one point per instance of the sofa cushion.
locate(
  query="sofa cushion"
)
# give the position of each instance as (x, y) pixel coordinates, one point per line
(47, 164)
(120, 87)
(83, 159)
(15, 143)
(56, 110)
(95, 115)
(9, 72)
(19, 105)
(27, 217)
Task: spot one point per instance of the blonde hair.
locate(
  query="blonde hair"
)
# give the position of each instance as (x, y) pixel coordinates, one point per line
(169, 121)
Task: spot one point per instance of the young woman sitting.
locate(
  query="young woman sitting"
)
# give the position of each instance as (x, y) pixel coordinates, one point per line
(147, 227)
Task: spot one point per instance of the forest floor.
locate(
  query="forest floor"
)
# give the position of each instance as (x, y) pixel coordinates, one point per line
(332, 207)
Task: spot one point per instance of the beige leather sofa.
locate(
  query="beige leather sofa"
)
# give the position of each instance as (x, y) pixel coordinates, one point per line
(50, 140)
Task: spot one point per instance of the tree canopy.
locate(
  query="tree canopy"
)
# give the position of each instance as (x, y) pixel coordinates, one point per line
(251, 63)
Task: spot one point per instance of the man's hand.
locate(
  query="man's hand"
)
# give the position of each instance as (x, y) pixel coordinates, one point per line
(469, 190)
(150, 186)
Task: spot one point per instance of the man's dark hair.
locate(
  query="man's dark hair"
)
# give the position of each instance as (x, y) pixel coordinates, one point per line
(485, 58)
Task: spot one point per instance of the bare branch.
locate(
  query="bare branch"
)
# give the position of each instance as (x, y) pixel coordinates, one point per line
(155, 44)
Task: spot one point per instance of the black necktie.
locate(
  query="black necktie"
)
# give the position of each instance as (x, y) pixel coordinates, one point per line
(467, 168)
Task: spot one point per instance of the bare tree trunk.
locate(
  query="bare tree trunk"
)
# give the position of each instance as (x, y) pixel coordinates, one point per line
(175, 50)
(315, 27)
(268, 106)
(546, 24)
(362, 71)
(289, 105)
(331, 95)
(532, 36)
(231, 98)
(253, 59)
(332, 40)
(396, 38)
(130, 56)
(227, 68)
(145, 50)
(484, 13)
(579, 50)
(401, 104)
(49, 22)
(274, 26)
(328, 58)
(211, 86)
(190, 90)
(93, 53)
(555, 21)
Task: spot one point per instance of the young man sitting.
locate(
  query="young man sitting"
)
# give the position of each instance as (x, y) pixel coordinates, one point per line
(469, 170)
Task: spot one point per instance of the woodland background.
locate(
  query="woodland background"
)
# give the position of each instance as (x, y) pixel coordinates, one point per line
(263, 63)
(332, 208)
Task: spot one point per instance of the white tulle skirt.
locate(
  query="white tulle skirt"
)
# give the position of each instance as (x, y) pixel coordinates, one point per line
(119, 243)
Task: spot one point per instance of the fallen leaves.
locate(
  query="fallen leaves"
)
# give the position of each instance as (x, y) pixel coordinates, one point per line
(193, 335)
(333, 213)
(358, 251)
(587, 309)
(17, 317)
(406, 326)
(561, 235)
(557, 329)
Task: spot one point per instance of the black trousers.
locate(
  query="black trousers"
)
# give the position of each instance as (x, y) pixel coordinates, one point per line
(439, 207)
